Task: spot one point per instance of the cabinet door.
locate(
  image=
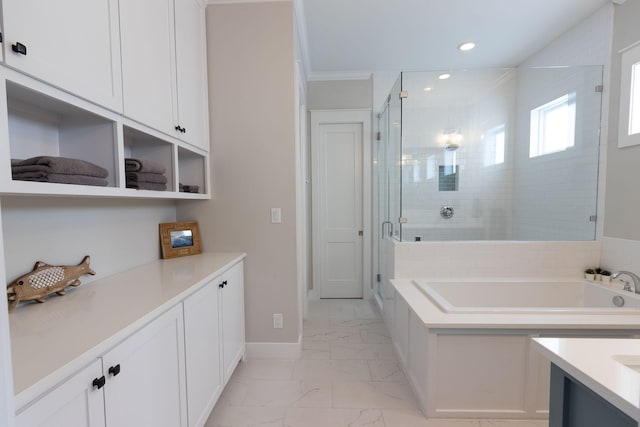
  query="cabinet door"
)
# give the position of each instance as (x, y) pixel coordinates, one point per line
(149, 388)
(72, 44)
(75, 403)
(191, 72)
(148, 63)
(232, 306)
(202, 351)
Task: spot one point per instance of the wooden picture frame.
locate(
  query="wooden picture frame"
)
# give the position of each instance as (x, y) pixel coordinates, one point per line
(179, 239)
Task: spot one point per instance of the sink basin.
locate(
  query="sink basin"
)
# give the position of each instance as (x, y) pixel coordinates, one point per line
(631, 361)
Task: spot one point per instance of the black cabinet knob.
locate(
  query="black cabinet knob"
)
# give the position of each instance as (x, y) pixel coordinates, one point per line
(114, 370)
(19, 48)
(99, 382)
(178, 128)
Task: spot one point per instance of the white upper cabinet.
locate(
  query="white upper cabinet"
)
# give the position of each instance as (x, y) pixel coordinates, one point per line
(146, 28)
(191, 72)
(71, 44)
(163, 67)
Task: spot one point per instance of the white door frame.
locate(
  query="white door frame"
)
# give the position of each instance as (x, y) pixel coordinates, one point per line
(362, 116)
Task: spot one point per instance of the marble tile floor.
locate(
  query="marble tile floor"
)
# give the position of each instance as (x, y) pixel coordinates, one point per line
(348, 376)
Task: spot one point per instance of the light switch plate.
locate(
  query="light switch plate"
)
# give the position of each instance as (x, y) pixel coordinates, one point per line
(276, 215)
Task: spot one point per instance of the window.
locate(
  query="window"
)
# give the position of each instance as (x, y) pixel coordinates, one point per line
(629, 126)
(634, 104)
(494, 143)
(553, 126)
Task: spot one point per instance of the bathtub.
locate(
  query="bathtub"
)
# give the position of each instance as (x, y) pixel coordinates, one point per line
(529, 297)
(465, 345)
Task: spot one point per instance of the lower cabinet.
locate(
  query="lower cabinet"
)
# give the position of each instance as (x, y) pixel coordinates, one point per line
(145, 378)
(140, 382)
(214, 340)
(202, 340)
(169, 373)
(572, 404)
(75, 403)
(231, 285)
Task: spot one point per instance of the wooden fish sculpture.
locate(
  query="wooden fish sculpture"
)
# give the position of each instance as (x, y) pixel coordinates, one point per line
(44, 280)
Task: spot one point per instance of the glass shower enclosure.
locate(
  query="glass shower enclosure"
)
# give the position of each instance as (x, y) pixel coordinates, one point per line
(489, 154)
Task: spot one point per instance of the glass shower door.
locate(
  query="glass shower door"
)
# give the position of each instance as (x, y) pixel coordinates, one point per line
(388, 184)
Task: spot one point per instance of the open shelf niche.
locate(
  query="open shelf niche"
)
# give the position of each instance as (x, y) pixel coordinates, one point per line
(40, 125)
(192, 170)
(142, 146)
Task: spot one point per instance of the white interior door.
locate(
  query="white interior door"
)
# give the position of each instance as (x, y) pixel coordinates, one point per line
(337, 149)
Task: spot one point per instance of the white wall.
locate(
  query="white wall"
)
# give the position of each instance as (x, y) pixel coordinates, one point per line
(252, 115)
(622, 195)
(340, 94)
(118, 234)
(621, 240)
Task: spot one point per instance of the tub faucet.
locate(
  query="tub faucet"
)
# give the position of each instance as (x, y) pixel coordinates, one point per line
(634, 277)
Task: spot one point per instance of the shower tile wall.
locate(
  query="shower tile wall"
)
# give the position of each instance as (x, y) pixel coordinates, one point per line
(472, 102)
(493, 259)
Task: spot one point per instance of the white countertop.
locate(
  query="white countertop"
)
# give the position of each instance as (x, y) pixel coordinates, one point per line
(51, 341)
(433, 317)
(599, 364)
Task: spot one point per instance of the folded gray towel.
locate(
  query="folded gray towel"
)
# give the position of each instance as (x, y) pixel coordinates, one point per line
(146, 177)
(60, 165)
(147, 166)
(147, 186)
(61, 178)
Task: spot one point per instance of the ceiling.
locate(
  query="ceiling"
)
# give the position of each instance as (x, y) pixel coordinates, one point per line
(376, 35)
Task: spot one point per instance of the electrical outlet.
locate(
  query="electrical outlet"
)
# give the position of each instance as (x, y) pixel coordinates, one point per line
(278, 321)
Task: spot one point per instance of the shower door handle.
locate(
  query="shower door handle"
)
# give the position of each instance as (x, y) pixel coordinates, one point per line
(390, 228)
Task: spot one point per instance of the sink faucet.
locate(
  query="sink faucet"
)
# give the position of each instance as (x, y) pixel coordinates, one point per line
(634, 277)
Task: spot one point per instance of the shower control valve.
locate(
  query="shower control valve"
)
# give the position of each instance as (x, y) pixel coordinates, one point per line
(446, 212)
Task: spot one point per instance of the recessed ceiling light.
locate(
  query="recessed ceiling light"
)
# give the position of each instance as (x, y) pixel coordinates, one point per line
(466, 46)
(444, 76)
(428, 89)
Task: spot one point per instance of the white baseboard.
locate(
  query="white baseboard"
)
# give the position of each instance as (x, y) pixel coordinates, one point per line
(275, 350)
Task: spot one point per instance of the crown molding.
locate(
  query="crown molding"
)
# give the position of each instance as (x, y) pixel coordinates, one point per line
(245, 1)
(339, 75)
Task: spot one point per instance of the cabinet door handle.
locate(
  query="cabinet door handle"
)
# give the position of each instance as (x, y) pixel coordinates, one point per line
(19, 48)
(184, 130)
(178, 128)
(223, 284)
(99, 382)
(114, 370)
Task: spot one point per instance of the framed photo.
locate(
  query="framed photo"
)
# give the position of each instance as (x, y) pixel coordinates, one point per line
(179, 239)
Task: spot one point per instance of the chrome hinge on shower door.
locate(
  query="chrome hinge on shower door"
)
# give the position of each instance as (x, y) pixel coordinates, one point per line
(404, 94)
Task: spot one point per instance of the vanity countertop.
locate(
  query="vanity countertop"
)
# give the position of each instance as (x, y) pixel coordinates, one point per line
(609, 367)
(51, 341)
